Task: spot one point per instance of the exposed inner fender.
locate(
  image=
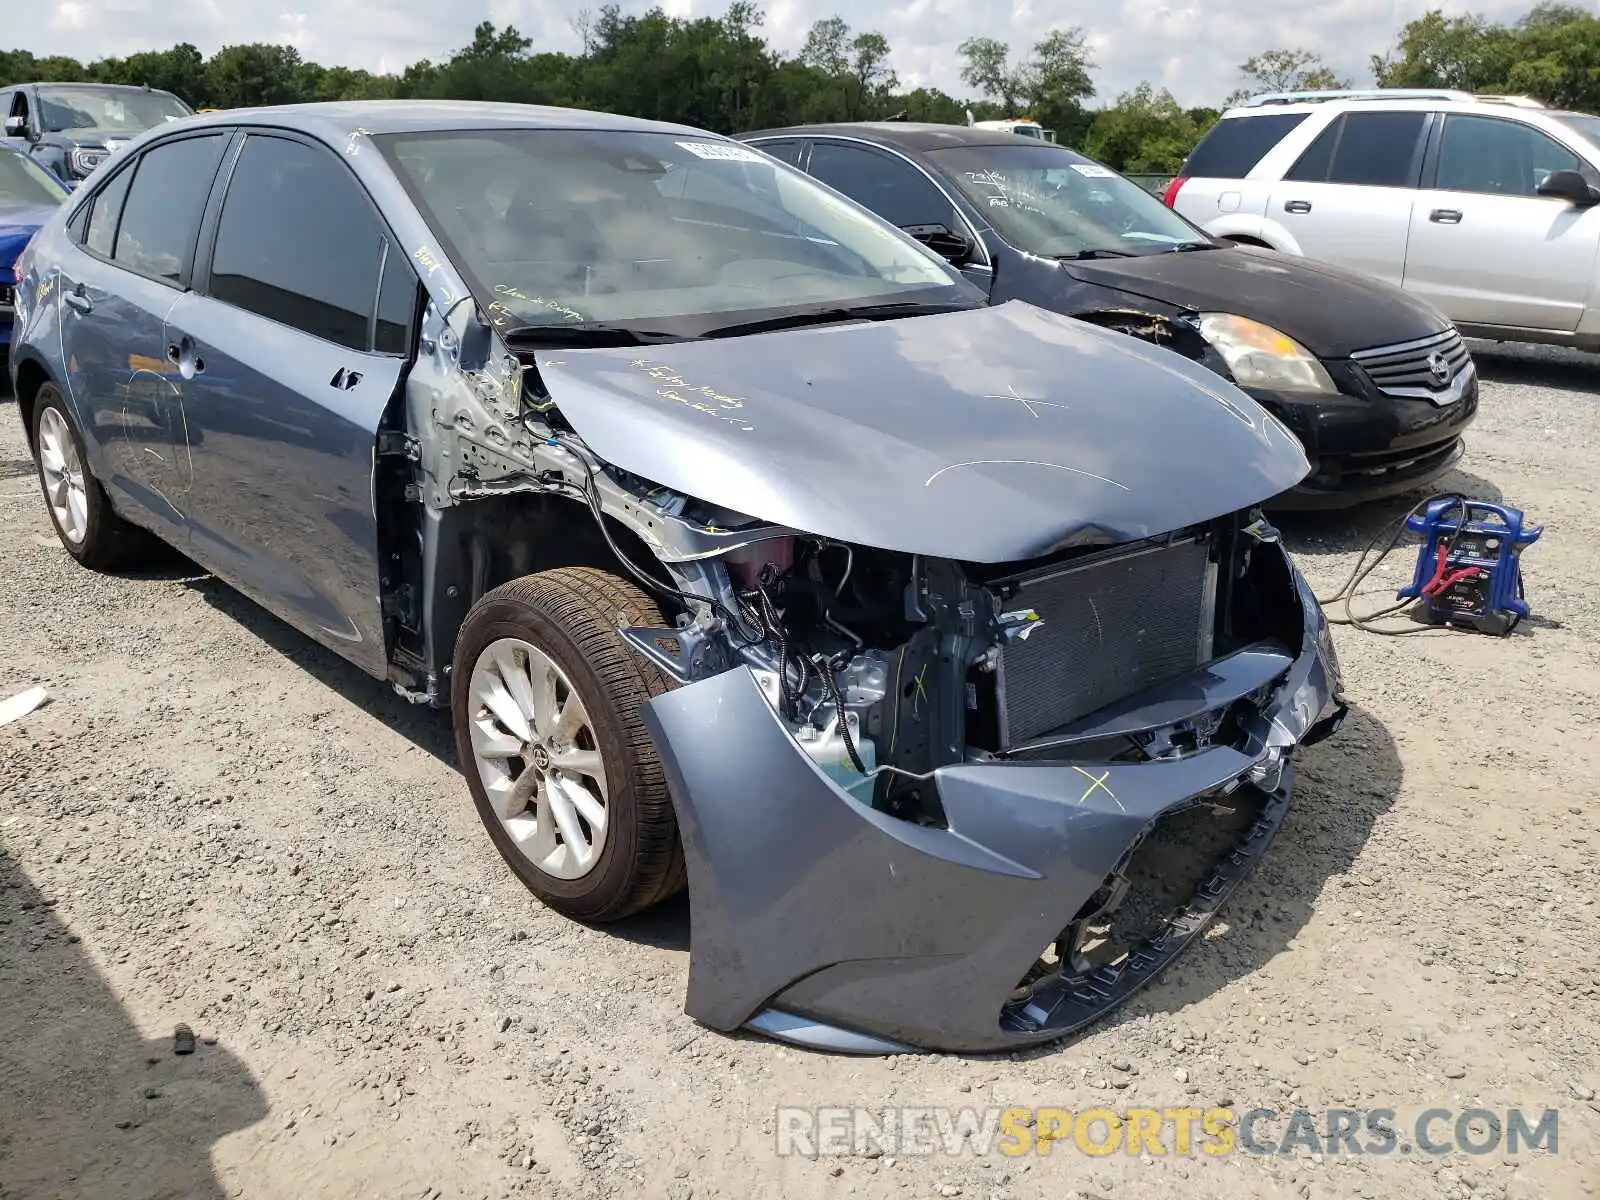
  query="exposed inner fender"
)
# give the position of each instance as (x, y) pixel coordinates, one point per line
(1174, 333)
(484, 426)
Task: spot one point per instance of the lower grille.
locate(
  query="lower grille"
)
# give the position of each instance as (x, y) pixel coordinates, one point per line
(1416, 370)
(7, 298)
(1111, 627)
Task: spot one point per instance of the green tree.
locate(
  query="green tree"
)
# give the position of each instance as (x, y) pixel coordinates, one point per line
(1291, 70)
(1052, 84)
(1436, 51)
(1144, 133)
(986, 65)
(256, 73)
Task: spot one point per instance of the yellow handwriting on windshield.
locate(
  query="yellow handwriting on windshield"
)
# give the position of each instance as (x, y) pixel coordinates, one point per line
(555, 306)
(679, 390)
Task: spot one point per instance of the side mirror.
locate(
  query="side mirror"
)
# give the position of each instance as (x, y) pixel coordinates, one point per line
(954, 248)
(16, 126)
(1571, 187)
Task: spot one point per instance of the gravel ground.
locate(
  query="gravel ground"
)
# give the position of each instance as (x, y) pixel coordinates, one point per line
(216, 822)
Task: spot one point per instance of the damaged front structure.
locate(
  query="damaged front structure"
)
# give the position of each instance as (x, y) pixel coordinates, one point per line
(965, 800)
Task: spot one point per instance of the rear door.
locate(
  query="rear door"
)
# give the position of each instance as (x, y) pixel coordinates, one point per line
(1347, 200)
(1215, 184)
(1485, 247)
(130, 270)
(298, 335)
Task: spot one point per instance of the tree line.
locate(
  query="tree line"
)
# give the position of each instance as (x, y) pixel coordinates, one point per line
(719, 73)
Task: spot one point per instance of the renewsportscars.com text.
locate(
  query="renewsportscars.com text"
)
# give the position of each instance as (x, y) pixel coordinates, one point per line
(1097, 1132)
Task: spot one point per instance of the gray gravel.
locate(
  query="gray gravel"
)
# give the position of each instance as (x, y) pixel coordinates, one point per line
(216, 822)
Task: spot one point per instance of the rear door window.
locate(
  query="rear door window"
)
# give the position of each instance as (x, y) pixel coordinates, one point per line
(299, 243)
(1379, 149)
(104, 209)
(161, 215)
(788, 149)
(1313, 166)
(1236, 144)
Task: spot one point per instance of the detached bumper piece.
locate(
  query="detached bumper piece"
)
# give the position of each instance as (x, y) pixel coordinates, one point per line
(820, 920)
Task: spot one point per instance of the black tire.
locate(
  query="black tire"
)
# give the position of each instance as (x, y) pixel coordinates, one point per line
(109, 542)
(572, 615)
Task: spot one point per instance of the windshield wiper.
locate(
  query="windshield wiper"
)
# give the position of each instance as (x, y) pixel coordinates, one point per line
(834, 314)
(1099, 252)
(587, 335)
(1187, 247)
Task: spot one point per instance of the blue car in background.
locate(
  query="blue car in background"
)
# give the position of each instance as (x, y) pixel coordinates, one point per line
(28, 195)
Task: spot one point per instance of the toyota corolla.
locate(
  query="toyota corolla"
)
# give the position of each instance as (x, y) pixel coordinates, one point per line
(940, 648)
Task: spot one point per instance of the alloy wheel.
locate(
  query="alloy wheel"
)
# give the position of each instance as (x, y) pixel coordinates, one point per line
(535, 751)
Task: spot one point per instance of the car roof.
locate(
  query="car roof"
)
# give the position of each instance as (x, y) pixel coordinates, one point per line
(914, 136)
(1400, 102)
(92, 86)
(342, 118)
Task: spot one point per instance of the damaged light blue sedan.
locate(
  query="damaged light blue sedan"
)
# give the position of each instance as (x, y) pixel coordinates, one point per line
(939, 649)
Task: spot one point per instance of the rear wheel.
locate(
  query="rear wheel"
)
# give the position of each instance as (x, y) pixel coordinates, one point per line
(79, 508)
(546, 703)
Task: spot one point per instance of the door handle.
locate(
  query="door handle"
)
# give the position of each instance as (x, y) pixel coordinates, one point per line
(1297, 206)
(79, 301)
(181, 355)
(1445, 216)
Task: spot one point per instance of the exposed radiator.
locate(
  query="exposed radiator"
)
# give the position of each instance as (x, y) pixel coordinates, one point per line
(1112, 626)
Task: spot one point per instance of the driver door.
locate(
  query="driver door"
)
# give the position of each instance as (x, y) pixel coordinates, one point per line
(901, 193)
(1485, 247)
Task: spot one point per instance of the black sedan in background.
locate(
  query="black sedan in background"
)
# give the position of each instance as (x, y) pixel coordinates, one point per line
(1377, 385)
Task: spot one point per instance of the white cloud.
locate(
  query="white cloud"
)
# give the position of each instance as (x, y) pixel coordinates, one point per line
(1190, 46)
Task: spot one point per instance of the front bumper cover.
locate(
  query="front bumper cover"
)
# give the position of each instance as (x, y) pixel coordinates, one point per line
(821, 921)
(1364, 445)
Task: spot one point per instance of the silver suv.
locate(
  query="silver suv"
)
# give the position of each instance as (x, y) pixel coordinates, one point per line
(1488, 207)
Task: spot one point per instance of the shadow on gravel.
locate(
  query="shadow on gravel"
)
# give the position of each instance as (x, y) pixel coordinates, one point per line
(1343, 786)
(1544, 367)
(88, 1106)
(666, 926)
(426, 728)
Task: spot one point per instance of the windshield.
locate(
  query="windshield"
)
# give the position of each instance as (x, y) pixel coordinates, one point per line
(1046, 200)
(1585, 124)
(566, 227)
(114, 109)
(25, 184)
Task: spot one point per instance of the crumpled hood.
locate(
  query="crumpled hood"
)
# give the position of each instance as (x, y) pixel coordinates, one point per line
(990, 435)
(17, 227)
(1330, 311)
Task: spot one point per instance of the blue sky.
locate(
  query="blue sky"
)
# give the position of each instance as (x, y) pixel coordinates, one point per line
(1168, 42)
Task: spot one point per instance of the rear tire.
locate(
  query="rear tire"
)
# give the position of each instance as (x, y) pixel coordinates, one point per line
(79, 508)
(546, 702)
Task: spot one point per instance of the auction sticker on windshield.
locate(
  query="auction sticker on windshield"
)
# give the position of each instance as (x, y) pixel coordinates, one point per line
(720, 151)
(1093, 170)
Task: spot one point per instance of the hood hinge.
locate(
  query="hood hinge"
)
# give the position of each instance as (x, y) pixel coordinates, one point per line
(393, 443)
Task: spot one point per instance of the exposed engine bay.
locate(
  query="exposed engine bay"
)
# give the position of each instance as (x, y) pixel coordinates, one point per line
(959, 733)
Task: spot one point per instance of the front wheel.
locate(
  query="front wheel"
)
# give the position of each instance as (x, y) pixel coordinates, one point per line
(546, 701)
